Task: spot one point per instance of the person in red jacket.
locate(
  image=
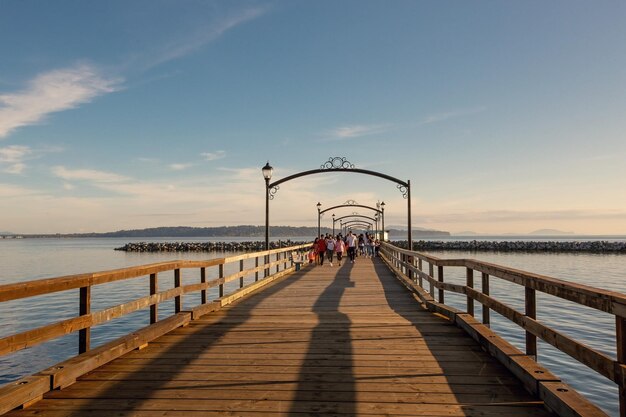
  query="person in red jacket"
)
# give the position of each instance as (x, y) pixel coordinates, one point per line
(321, 249)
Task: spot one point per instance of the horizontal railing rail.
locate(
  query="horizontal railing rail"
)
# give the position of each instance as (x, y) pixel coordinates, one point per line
(411, 265)
(280, 259)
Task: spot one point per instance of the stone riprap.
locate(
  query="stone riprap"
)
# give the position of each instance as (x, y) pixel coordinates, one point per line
(421, 245)
(251, 246)
(518, 246)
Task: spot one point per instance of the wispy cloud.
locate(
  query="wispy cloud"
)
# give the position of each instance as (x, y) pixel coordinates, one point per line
(180, 167)
(442, 117)
(146, 160)
(355, 131)
(189, 43)
(212, 156)
(13, 191)
(52, 92)
(12, 158)
(90, 175)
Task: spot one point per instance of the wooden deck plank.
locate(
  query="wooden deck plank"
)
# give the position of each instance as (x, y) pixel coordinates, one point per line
(325, 341)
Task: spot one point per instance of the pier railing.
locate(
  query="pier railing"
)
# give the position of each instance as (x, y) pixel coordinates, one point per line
(418, 270)
(268, 265)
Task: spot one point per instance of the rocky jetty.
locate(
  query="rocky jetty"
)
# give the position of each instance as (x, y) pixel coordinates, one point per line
(421, 245)
(600, 246)
(251, 246)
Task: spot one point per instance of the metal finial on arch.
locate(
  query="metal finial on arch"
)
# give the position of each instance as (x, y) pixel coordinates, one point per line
(272, 192)
(337, 162)
(404, 190)
(350, 203)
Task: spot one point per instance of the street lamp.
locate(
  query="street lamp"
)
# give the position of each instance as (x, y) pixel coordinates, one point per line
(319, 215)
(267, 171)
(382, 212)
(376, 224)
(333, 224)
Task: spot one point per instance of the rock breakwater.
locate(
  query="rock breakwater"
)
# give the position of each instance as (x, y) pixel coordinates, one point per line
(518, 246)
(251, 246)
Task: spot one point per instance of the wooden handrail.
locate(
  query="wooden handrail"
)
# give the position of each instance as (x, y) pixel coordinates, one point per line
(602, 300)
(87, 319)
(597, 298)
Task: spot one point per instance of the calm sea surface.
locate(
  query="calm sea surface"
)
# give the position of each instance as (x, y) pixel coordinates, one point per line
(29, 259)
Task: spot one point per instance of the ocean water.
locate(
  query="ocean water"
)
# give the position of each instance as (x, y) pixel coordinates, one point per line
(29, 259)
(594, 328)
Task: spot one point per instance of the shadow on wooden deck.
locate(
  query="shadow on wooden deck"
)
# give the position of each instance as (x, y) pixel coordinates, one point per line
(327, 309)
(129, 383)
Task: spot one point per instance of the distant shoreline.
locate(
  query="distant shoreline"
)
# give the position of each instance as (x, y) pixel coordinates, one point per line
(534, 246)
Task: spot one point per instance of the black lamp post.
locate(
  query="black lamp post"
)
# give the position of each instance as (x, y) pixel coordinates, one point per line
(333, 224)
(319, 215)
(382, 212)
(267, 174)
(376, 224)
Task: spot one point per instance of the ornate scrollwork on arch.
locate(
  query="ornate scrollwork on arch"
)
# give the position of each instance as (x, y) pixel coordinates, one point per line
(404, 190)
(337, 162)
(351, 203)
(273, 191)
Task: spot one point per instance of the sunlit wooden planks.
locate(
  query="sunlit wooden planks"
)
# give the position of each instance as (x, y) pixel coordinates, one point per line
(326, 341)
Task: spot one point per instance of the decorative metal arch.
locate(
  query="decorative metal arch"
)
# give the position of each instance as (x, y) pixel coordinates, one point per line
(356, 215)
(337, 164)
(340, 164)
(357, 223)
(352, 205)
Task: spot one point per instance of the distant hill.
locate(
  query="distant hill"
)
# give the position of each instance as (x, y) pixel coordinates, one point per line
(549, 232)
(417, 233)
(232, 231)
(465, 233)
(220, 231)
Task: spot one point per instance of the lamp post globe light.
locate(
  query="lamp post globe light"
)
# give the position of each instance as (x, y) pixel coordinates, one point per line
(319, 215)
(267, 171)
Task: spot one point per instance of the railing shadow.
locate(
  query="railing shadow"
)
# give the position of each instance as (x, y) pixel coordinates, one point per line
(216, 330)
(474, 381)
(331, 336)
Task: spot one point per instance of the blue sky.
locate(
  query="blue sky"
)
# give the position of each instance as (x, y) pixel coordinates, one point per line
(505, 116)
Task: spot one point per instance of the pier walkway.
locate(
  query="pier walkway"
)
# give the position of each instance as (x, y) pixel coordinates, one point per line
(331, 341)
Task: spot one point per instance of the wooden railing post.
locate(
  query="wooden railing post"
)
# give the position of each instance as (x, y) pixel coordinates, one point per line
(221, 286)
(203, 280)
(419, 266)
(241, 277)
(84, 335)
(620, 336)
(178, 300)
(277, 264)
(256, 265)
(485, 288)
(154, 308)
(531, 311)
(470, 283)
(431, 273)
(440, 279)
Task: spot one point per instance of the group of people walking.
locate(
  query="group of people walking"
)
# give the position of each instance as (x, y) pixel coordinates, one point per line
(326, 247)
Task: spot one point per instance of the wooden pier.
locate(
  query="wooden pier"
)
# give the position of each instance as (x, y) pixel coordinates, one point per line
(360, 339)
